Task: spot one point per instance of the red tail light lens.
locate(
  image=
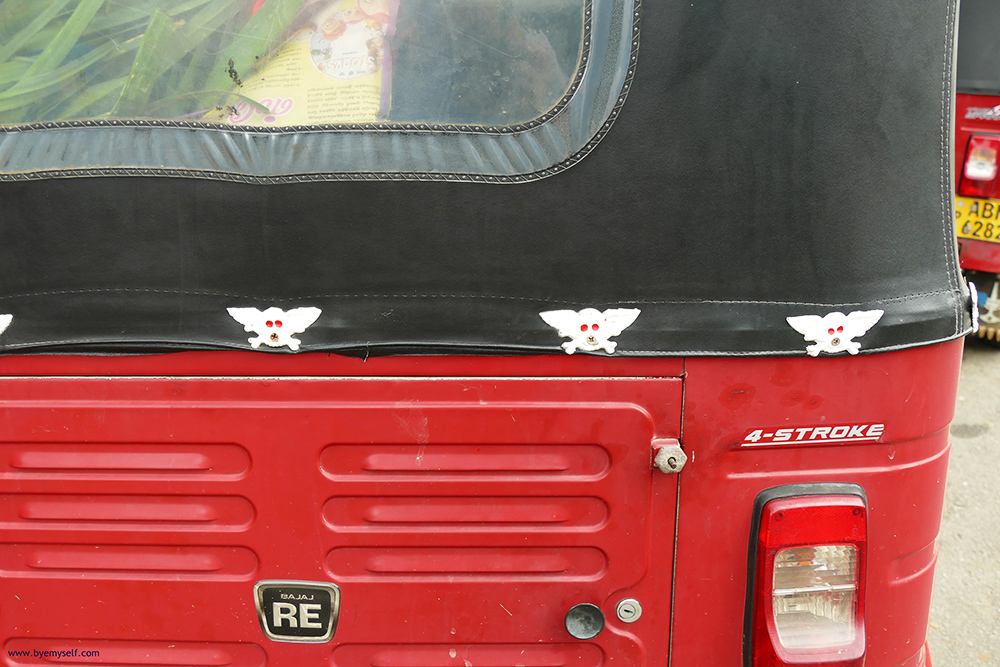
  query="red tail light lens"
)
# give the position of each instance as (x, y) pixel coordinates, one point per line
(982, 164)
(807, 578)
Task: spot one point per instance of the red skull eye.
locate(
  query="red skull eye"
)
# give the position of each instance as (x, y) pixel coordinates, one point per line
(269, 324)
(840, 329)
(831, 331)
(583, 327)
(277, 323)
(595, 327)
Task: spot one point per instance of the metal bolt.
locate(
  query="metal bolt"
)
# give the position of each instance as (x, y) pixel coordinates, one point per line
(669, 458)
(629, 610)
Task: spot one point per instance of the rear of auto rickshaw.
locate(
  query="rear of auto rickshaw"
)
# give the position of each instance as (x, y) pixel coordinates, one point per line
(977, 145)
(474, 333)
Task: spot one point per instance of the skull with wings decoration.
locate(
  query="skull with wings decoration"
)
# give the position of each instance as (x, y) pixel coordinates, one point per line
(832, 333)
(274, 327)
(590, 329)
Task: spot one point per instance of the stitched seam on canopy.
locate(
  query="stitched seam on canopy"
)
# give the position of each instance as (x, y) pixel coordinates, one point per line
(946, 132)
(542, 300)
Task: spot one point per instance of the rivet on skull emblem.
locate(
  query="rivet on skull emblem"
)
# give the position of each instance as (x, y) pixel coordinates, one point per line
(591, 339)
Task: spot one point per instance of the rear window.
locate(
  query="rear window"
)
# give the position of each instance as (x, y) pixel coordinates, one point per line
(280, 63)
(497, 91)
(979, 47)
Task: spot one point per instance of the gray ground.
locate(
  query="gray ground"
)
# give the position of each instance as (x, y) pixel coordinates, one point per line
(965, 615)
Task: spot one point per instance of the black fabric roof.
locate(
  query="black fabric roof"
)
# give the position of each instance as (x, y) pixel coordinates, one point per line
(772, 160)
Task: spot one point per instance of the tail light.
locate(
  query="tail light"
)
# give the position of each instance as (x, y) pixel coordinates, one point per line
(979, 173)
(806, 582)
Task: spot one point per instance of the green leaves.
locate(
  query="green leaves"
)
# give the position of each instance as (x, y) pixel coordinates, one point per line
(253, 42)
(11, 46)
(71, 59)
(66, 39)
(156, 43)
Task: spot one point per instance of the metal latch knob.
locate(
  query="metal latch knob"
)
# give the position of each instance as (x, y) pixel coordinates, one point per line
(668, 456)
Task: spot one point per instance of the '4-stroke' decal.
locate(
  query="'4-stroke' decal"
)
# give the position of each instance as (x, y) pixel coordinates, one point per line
(983, 113)
(832, 333)
(274, 327)
(590, 329)
(814, 435)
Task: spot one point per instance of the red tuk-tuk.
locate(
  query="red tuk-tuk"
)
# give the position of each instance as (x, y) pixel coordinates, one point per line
(474, 333)
(977, 145)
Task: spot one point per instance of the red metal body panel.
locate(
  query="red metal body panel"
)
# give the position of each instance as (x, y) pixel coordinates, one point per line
(979, 255)
(975, 255)
(210, 364)
(463, 505)
(461, 517)
(911, 392)
(965, 127)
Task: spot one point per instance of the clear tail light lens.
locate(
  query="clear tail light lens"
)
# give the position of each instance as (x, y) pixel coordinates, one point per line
(981, 164)
(815, 595)
(979, 173)
(805, 605)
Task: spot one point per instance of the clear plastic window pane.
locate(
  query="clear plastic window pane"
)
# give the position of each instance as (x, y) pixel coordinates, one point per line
(276, 63)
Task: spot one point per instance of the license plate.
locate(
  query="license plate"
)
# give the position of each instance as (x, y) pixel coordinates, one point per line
(978, 218)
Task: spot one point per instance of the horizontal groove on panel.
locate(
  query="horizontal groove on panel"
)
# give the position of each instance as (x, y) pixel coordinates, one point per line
(125, 652)
(912, 566)
(368, 460)
(145, 513)
(127, 562)
(121, 461)
(551, 514)
(462, 655)
(449, 563)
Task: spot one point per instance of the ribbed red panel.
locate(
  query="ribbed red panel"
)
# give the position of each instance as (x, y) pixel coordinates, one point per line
(462, 518)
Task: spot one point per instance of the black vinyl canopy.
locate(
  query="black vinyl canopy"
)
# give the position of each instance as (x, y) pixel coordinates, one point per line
(729, 166)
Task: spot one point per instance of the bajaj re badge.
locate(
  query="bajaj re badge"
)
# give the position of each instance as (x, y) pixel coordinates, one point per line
(297, 611)
(832, 333)
(590, 329)
(5, 321)
(274, 327)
